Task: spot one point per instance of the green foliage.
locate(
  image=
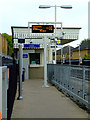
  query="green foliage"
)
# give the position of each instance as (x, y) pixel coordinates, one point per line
(9, 40)
(87, 56)
(85, 40)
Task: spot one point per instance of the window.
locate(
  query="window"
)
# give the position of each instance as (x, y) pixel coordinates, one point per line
(34, 58)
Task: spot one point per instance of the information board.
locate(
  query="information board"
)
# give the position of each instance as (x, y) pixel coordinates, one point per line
(42, 28)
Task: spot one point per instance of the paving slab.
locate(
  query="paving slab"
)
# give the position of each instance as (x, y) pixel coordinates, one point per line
(41, 102)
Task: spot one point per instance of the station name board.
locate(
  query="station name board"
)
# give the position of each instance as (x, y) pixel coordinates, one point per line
(31, 45)
(42, 28)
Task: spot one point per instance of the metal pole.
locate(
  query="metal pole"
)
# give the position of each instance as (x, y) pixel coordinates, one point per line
(83, 84)
(55, 34)
(69, 55)
(79, 54)
(20, 72)
(45, 62)
(61, 55)
(55, 19)
(28, 30)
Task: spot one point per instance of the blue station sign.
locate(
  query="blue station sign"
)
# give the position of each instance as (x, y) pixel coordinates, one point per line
(25, 55)
(32, 45)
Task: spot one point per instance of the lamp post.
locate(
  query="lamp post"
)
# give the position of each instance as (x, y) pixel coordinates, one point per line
(79, 54)
(49, 6)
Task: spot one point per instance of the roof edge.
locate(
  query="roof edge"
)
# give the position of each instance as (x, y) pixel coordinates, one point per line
(57, 27)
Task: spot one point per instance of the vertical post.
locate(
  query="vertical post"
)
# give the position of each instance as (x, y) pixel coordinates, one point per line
(69, 55)
(6, 82)
(28, 30)
(55, 52)
(55, 19)
(1, 89)
(20, 72)
(61, 30)
(61, 55)
(50, 56)
(55, 34)
(83, 84)
(45, 62)
(79, 54)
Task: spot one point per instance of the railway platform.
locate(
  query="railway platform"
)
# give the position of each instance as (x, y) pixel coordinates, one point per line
(41, 102)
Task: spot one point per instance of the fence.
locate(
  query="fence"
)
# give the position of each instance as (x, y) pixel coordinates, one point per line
(11, 93)
(12, 77)
(76, 62)
(73, 80)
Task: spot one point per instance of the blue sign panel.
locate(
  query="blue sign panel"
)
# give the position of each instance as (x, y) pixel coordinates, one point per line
(25, 55)
(32, 45)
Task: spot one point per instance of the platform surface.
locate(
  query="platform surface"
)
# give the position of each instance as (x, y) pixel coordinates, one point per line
(41, 102)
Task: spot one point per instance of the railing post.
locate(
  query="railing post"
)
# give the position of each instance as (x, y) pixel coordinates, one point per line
(83, 84)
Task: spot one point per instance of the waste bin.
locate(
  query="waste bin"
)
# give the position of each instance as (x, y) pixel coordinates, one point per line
(23, 74)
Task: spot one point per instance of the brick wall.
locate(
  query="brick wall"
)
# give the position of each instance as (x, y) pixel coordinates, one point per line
(75, 54)
(0, 43)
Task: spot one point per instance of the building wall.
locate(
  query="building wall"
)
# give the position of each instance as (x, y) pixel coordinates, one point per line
(36, 72)
(75, 54)
(26, 63)
(41, 51)
(59, 57)
(33, 71)
(3, 45)
(0, 43)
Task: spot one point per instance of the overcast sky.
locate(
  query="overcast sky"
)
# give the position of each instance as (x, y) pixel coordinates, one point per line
(20, 12)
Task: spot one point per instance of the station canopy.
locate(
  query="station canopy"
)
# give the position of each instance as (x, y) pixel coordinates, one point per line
(37, 31)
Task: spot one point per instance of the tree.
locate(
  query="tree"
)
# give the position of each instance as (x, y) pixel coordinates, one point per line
(9, 40)
(83, 41)
(87, 56)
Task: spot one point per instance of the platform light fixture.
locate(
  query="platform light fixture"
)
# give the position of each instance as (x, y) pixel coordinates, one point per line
(49, 6)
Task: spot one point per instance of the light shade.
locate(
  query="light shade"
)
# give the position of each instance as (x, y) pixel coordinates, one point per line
(66, 6)
(44, 6)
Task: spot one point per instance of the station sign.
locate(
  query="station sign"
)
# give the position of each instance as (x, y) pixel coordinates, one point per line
(31, 45)
(25, 55)
(42, 28)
